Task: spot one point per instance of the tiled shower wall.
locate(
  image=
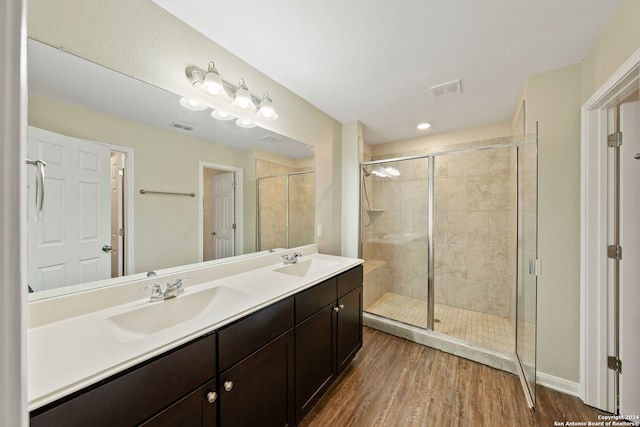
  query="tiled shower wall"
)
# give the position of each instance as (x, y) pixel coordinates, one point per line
(475, 229)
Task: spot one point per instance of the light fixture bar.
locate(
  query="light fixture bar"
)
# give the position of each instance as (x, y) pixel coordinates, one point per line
(196, 77)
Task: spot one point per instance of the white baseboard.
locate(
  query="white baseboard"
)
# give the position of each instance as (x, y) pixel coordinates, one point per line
(558, 384)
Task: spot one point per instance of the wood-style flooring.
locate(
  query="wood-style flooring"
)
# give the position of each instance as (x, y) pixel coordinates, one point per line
(395, 382)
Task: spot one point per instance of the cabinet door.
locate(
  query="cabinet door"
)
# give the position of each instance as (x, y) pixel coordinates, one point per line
(349, 327)
(194, 410)
(315, 358)
(258, 391)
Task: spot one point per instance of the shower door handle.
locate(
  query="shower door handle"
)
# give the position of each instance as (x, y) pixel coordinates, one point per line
(637, 156)
(535, 266)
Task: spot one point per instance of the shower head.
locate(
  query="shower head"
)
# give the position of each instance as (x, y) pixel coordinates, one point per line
(381, 171)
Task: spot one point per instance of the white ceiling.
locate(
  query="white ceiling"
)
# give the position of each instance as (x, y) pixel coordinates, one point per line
(374, 60)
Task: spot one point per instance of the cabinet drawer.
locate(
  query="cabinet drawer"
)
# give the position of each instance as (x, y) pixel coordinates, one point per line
(349, 280)
(315, 298)
(130, 398)
(248, 334)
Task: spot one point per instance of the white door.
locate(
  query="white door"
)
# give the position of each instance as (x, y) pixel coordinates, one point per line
(66, 246)
(224, 219)
(630, 263)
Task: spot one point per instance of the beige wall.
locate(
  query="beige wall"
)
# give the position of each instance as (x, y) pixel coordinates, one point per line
(619, 40)
(142, 40)
(553, 100)
(166, 228)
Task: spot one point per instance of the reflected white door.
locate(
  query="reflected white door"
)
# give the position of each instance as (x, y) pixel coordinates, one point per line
(66, 246)
(629, 265)
(224, 219)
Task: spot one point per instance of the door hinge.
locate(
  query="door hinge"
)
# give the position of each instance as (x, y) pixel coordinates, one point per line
(614, 251)
(614, 364)
(121, 232)
(233, 226)
(535, 266)
(614, 139)
(233, 185)
(121, 172)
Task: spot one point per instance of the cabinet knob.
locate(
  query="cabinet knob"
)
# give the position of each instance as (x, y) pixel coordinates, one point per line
(341, 306)
(212, 396)
(228, 385)
(336, 309)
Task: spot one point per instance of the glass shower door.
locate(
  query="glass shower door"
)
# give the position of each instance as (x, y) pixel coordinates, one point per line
(528, 268)
(395, 209)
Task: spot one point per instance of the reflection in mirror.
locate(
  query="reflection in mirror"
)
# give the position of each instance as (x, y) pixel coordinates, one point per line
(134, 182)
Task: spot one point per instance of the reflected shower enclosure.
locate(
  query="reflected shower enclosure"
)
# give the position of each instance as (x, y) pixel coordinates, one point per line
(443, 236)
(285, 206)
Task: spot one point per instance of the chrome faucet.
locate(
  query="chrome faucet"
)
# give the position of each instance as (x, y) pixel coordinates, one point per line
(172, 290)
(291, 259)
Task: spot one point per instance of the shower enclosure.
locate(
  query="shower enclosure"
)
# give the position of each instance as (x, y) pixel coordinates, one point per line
(285, 206)
(446, 238)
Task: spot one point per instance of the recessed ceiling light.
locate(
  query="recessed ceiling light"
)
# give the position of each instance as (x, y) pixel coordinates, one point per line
(423, 126)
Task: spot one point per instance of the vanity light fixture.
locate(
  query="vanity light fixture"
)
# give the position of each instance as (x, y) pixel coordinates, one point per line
(192, 104)
(221, 115)
(265, 109)
(244, 123)
(242, 97)
(211, 83)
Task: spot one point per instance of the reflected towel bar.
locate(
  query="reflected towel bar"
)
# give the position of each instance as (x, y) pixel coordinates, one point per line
(167, 193)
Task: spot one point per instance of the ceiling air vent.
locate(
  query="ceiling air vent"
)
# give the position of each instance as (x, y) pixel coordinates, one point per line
(270, 139)
(446, 89)
(181, 126)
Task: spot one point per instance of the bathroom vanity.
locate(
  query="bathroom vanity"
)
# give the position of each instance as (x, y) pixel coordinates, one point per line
(273, 349)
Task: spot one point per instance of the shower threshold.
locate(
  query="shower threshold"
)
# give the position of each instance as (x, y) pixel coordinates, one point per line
(481, 337)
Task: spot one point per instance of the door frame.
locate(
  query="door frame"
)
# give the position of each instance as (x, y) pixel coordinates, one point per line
(238, 206)
(129, 234)
(596, 380)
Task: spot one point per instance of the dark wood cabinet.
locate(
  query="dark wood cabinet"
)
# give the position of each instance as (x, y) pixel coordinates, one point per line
(328, 335)
(315, 358)
(258, 391)
(199, 408)
(131, 397)
(266, 369)
(349, 327)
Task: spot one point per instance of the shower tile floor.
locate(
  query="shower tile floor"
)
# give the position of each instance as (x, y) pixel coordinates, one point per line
(479, 328)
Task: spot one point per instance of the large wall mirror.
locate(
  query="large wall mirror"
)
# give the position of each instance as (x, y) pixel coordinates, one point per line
(136, 183)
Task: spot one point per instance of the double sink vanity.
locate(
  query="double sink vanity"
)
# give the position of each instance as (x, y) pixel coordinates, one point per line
(248, 342)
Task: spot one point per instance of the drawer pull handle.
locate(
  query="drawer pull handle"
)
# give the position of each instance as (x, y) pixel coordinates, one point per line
(212, 396)
(228, 385)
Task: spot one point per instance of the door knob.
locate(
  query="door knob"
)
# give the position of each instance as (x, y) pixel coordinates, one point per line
(106, 248)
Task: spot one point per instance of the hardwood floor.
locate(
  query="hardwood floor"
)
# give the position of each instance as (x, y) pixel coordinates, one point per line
(395, 382)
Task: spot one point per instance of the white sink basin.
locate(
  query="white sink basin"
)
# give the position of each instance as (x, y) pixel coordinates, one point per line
(156, 316)
(307, 267)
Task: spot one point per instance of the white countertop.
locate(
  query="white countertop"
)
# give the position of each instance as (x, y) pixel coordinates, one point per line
(68, 354)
